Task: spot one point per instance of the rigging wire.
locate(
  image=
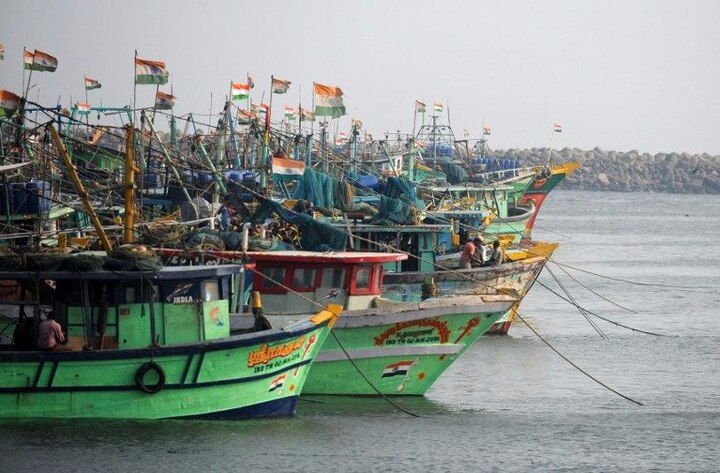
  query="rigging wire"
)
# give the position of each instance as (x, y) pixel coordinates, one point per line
(537, 334)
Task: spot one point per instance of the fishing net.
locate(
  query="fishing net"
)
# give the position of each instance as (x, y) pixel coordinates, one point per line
(133, 258)
(82, 263)
(454, 174)
(314, 235)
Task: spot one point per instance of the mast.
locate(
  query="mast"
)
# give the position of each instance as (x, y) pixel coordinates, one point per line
(130, 170)
(80, 189)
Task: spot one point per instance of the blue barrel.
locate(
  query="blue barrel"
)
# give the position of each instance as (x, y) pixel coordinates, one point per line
(151, 180)
(234, 176)
(368, 181)
(19, 197)
(38, 196)
(203, 178)
(6, 199)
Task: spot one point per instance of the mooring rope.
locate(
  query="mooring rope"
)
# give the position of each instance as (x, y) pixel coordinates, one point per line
(601, 317)
(332, 331)
(575, 365)
(577, 306)
(594, 292)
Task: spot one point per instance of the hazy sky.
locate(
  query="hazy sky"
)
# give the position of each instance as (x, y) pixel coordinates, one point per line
(618, 74)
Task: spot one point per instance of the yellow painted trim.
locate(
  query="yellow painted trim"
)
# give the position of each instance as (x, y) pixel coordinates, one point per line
(331, 313)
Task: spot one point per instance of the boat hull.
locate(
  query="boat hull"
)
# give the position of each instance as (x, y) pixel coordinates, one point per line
(399, 352)
(237, 377)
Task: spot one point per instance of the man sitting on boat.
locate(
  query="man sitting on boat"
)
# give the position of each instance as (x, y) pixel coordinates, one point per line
(497, 255)
(50, 334)
(473, 254)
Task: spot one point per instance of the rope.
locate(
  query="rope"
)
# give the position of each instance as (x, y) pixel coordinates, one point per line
(577, 306)
(597, 294)
(574, 365)
(603, 318)
(347, 355)
(637, 283)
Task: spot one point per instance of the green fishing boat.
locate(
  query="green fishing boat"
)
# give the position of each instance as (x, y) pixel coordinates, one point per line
(149, 344)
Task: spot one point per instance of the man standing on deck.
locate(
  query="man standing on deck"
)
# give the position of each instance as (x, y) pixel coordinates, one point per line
(50, 334)
(473, 254)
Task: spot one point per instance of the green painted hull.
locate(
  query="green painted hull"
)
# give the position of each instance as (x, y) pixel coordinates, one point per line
(225, 378)
(397, 357)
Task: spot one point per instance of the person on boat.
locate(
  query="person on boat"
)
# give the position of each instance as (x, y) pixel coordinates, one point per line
(496, 256)
(473, 254)
(227, 214)
(50, 334)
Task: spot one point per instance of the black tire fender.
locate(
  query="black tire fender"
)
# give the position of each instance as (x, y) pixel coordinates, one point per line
(140, 375)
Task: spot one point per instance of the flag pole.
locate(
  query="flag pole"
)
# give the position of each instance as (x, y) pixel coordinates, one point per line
(414, 118)
(135, 89)
(266, 140)
(552, 135)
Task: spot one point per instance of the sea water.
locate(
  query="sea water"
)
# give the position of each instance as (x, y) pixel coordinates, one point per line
(646, 261)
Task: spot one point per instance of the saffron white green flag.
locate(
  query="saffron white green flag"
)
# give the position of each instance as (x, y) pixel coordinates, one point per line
(438, 107)
(39, 61)
(164, 101)
(150, 72)
(328, 101)
(240, 91)
(9, 103)
(289, 113)
(91, 84)
(2, 52)
(280, 86)
(83, 108)
(419, 106)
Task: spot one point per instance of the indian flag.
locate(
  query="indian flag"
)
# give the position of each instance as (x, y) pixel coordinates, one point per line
(419, 106)
(307, 115)
(150, 72)
(438, 107)
(401, 368)
(356, 123)
(289, 113)
(280, 86)
(246, 117)
(91, 84)
(39, 61)
(286, 169)
(240, 91)
(164, 101)
(9, 102)
(328, 101)
(277, 383)
(341, 138)
(83, 108)
(2, 52)
(557, 127)
(486, 130)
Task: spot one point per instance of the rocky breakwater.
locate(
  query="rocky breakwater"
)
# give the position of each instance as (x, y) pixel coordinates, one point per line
(629, 171)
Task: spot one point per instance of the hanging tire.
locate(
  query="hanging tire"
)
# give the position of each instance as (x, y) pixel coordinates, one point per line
(140, 378)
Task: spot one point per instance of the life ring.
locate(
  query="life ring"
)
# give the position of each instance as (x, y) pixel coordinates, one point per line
(140, 375)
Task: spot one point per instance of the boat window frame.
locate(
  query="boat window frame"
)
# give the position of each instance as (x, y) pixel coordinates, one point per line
(354, 289)
(291, 277)
(259, 282)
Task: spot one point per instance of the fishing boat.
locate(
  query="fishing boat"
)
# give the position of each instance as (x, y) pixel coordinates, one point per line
(150, 344)
(379, 346)
(539, 189)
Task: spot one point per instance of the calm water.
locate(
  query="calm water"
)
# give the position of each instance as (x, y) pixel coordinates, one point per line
(510, 404)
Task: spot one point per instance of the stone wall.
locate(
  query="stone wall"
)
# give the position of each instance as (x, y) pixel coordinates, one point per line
(629, 171)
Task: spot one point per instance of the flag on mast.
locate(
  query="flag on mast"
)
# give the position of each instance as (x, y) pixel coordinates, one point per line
(486, 130)
(83, 108)
(280, 86)
(150, 72)
(164, 101)
(250, 81)
(557, 127)
(91, 84)
(328, 101)
(307, 115)
(39, 61)
(2, 52)
(289, 113)
(9, 102)
(419, 106)
(438, 107)
(240, 91)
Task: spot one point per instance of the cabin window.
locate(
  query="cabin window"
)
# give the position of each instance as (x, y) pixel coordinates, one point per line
(272, 275)
(130, 295)
(378, 279)
(362, 278)
(333, 277)
(303, 278)
(211, 291)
